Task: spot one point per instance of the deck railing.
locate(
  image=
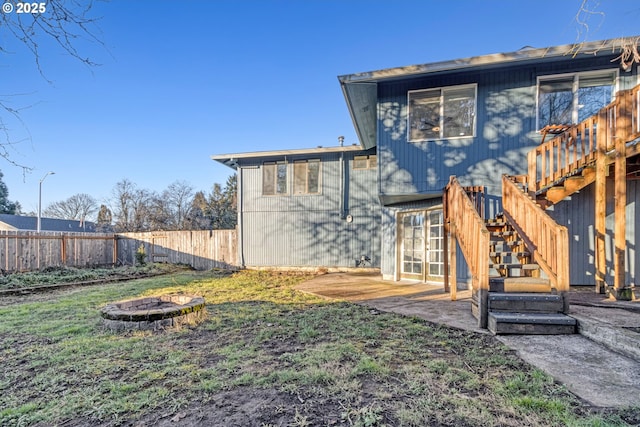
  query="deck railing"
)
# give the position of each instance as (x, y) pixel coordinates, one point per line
(547, 240)
(468, 229)
(572, 150)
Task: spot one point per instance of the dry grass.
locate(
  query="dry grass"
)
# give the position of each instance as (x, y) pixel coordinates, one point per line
(266, 356)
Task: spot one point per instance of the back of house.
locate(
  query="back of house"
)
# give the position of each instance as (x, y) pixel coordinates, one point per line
(380, 203)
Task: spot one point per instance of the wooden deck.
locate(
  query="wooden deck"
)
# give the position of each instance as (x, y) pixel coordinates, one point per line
(575, 157)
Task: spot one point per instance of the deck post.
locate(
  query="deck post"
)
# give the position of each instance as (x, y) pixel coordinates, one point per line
(601, 202)
(447, 235)
(452, 265)
(620, 291)
(483, 308)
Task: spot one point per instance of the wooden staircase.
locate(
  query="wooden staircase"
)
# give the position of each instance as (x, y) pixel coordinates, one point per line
(521, 299)
(519, 261)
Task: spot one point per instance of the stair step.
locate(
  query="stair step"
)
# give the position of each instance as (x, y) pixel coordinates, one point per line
(531, 323)
(500, 245)
(556, 194)
(507, 266)
(502, 233)
(574, 183)
(525, 302)
(509, 253)
(520, 284)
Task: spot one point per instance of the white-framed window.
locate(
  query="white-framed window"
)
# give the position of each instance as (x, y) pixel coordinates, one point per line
(306, 177)
(365, 162)
(439, 113)
(572, 98)
(274, 178)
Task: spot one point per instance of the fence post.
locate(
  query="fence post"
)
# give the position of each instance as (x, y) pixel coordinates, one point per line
(63, 249)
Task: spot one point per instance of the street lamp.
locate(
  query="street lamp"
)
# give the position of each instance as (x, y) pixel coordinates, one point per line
(40, 198)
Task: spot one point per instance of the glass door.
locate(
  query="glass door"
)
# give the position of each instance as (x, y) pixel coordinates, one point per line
(421, 255)
(435, 257)
(412, 245)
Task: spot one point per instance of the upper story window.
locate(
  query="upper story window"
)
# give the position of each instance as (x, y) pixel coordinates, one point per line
(572, 98)
(447, 112)
(274, 178)
(306, 177)
(364, 162)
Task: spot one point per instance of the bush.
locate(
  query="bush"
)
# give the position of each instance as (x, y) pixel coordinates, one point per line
(141, 255)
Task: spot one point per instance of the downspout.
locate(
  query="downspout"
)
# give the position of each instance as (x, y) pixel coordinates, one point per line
(342, 180)
(240, 226)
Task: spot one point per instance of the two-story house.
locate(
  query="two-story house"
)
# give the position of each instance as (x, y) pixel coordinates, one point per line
(529, 114)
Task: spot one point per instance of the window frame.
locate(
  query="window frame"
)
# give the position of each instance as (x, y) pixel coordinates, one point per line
(306, 180)
(371, 162)
(275, 164)
(441, 107)
(575, 113)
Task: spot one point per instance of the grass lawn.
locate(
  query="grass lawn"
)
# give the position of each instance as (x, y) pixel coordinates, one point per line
(266, 356)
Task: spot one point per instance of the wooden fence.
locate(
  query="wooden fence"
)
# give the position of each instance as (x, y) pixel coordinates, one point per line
(201, 249)
(29, 250)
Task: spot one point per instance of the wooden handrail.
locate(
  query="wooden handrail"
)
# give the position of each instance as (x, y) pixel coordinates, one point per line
(634, 99)
(558, 157)
(547, 241)
(575, 148)
(470, 231)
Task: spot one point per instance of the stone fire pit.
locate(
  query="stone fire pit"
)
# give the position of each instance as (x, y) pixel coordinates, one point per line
(154, 313)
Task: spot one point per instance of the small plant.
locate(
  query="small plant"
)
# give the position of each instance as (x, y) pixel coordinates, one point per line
(141, 255)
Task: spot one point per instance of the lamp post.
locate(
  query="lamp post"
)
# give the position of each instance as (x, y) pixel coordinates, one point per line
(40, 198)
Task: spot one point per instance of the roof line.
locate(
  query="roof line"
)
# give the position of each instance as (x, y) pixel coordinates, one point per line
(292, 152)
(575, 49)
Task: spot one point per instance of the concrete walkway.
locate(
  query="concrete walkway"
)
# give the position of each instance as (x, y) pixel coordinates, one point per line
(587, 366)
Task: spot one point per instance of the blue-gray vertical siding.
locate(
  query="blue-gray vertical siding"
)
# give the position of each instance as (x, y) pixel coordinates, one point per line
(312, 230)
(505, 129)
(505, 133)
(578, 215)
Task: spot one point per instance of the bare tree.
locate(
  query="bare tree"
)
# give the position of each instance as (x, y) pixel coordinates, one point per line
(78, 207)
(121, 195)
(64, 22)
(589, 16)
(177, 198)
(159, 214)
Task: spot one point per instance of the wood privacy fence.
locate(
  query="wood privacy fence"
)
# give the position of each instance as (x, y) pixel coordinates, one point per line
(201, 249)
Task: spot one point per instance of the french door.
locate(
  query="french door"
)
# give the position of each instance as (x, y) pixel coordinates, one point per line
(420, 238)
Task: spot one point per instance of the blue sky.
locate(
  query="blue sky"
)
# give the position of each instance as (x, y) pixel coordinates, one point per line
(182, 80)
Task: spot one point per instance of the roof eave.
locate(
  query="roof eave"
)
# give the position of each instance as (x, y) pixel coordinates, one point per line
(231, 160)
(572, 50)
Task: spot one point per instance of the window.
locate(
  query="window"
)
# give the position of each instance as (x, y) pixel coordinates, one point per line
(442, 113)
(570, 99)
(274, 178)
(364, 162)
(306, 177)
